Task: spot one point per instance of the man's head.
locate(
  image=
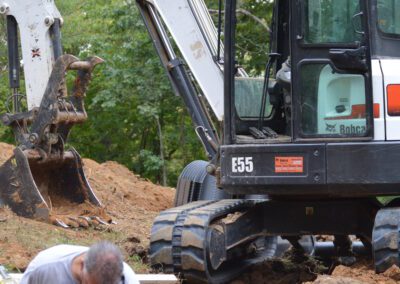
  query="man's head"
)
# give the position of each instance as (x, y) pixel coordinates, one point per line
(102, 264)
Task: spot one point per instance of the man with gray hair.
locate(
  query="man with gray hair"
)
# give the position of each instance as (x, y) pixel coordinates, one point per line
(66, 264)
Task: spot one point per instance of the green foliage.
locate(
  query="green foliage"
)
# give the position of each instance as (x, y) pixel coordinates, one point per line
(252, 37)
(252, 33)
(128, 93)
(5, 92)
(151, 164)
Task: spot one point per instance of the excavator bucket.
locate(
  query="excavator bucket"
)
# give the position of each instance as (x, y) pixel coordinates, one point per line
(32, 187)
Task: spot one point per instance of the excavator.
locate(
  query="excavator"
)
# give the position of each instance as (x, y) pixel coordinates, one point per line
(43, 173)
(303, 150)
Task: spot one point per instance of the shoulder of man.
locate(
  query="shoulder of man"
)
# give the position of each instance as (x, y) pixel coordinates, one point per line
(48, 273)
(55, 254)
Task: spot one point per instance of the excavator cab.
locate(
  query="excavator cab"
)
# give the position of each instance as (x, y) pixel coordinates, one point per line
(43, 179)
(322, 97)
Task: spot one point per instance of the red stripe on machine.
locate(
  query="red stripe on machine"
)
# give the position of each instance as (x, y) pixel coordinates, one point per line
(393, 98)
(358, 111)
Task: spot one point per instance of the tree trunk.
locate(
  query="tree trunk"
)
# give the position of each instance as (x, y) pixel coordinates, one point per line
(164, 168)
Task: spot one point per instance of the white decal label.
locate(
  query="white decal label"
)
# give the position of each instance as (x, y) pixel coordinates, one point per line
(242, 165)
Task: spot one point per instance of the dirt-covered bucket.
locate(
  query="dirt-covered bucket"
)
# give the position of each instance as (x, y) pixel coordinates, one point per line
(31, 185)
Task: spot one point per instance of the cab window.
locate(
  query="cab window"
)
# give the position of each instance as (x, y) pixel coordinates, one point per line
(389, 17)
(331, 21)
(332, 104)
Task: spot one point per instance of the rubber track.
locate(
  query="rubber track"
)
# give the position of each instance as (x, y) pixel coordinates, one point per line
(386, 238)
(178, 241)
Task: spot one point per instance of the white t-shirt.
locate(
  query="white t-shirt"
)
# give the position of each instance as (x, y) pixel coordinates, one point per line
(53, 265)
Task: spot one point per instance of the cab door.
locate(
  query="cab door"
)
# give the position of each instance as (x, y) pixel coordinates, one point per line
(331, 70)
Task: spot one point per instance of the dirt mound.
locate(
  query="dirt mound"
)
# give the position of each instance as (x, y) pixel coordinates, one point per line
(129, 200)
(116, 186)
(125, 187)
(363, 271)
(289, 269)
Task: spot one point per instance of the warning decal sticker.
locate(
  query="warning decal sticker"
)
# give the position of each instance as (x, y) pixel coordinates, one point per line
(289, 164)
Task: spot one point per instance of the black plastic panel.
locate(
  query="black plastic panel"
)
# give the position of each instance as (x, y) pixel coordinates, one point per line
(363, 163)
(265, 166)
(363, 169)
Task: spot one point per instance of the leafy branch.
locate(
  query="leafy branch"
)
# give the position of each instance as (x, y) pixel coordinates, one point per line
(246, 13)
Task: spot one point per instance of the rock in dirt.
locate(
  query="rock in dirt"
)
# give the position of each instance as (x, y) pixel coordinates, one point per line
(393, 273)
(336, 280)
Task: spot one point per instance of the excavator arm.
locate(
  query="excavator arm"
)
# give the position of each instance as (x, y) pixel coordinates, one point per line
(38, 23)
(198, 76)
(43, 175)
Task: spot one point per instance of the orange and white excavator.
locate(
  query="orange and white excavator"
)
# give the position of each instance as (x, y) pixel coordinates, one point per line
(307, 146)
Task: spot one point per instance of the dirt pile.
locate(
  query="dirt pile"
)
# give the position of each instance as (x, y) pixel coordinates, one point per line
(360, 273)
(129, 200)
(116, 186)
(289, 271)
(363, 271)
(291, 268)
(125, 188)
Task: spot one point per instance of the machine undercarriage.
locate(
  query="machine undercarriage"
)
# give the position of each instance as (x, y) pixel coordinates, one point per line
(215, 241)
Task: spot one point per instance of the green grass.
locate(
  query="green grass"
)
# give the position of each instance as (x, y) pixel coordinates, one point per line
(32, 237)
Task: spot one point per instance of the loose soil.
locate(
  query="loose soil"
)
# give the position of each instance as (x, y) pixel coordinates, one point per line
(130, 201)
(133, 203)
(309, 271)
